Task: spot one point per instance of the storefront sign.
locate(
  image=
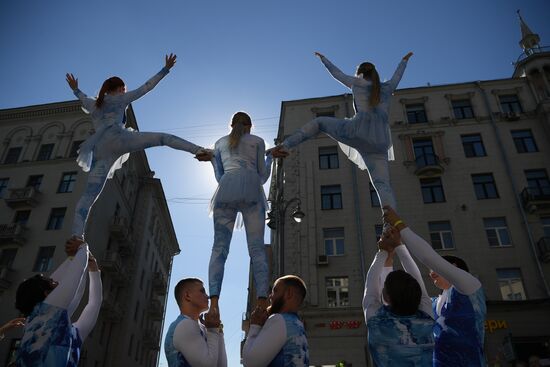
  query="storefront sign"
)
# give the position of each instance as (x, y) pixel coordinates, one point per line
(492, 325)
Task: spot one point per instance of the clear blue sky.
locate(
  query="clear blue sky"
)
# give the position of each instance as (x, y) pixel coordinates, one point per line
(242, 55)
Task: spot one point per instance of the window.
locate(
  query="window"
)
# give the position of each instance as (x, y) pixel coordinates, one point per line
(141, 279)
(441, 235)
(74, 148)
(374, 200)
(416, 113)
(45, 152)
(7, 257)
(511, 284)
(328, 157)
(334, 241)
(136, 311)
(325, 114)
(432, 190)
(44, 259)
(3, 185)
(331, 197)
(67, 182)
(13, 155)
(378, 229)
(21, 217)
(524, 141)
(424, 152)
(35, 181)
(484, 186)
(545, 221)
(337, 292)
(56, 218)
(509, 103)
(462, 109)
(537, 182)
(130, 345)
(473, 146)
(497, 232)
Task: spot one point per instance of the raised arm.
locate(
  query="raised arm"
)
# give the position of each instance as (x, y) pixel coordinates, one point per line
(190, 342)
(263, 162)
(373, 292)
(398, 74)
(336, 73)
(69, 281)
(88, 317)
(87, 103)
(132, 95)
(410, 267)
(263, 343)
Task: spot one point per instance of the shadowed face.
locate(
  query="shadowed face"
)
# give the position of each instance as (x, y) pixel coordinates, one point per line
(196, 294)
(277, 297)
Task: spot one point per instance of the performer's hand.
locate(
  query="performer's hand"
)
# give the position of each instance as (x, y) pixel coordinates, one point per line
(72, 81)
(319, 55)
(277, 152)
(407, 56)
(258, 316)
(12, 324)
(391, 238)
(92, 263)
(170, 61)
(392, 218)
(72, 245)
(204, 155)
(212, 318)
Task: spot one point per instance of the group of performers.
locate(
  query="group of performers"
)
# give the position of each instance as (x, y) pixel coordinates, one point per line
(405, 328)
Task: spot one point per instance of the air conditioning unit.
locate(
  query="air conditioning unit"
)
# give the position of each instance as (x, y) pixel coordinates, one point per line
(322, 260)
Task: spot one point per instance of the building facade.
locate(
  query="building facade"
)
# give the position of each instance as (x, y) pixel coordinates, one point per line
(130, 231)
(470, 175)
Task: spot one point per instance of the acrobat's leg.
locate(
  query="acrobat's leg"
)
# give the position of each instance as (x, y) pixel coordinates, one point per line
(377, 165)
(254, 224)
(96, 181)
(330, 125)
(136, 141)
(224, 221)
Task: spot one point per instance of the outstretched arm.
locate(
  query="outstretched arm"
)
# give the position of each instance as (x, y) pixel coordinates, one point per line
(217, 163)
(263, 162)
(132, 95)
(69, 281)
(336, 73)
(87, 102)
(398, 74)
(373, 291)
(88, 318)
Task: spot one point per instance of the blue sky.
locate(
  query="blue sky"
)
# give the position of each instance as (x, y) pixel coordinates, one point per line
(242, 55)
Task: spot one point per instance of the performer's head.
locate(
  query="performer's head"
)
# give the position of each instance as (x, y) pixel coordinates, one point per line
(443, 283)
(368, 71)
(113, 85)
(33, 291)
(402, 293)
(241, 123)
(191, 295)
(287, 295)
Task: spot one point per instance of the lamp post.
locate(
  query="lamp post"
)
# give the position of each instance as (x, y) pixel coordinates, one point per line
(276, 221)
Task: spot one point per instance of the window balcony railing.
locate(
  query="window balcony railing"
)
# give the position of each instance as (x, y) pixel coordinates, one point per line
(24, 196)
(13, 233)
(428, 165)
(544, 249)
(155, 310)
(119, 227)
(536, 199)
(159, 283)
(6, 278)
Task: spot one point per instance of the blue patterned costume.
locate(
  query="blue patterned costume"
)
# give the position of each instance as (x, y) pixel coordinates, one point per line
(110, 146)
(174, 356)
(240, 173)
(281, 342)
(459, 329)
(366, 137)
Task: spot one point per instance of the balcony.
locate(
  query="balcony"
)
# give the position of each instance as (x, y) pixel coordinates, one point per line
(536, 200)
(544, 249)
(113, 265)
(151, 338)
(112, 310)
(22, 197)
(13, 233)
(6, 278)
(428, 165)
(127, 246)
(118, 228)
(159, 283)
(155, 310)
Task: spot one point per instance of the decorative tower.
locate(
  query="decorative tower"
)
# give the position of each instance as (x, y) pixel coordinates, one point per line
(529, 40)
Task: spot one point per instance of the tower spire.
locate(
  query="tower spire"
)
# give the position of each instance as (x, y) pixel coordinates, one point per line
(529, 40)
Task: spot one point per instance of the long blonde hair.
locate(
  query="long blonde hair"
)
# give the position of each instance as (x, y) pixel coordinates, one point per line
(369, 73)
(239, 122)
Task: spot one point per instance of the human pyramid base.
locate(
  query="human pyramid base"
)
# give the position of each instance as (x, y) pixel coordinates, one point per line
(405, 327)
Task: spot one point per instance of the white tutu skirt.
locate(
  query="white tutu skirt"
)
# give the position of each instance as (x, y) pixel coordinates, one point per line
(238, 188)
